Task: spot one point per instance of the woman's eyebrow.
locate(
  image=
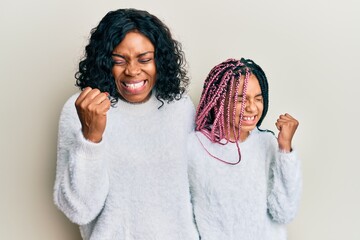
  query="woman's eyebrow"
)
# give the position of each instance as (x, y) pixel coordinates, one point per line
(140, 55)
(117, 55)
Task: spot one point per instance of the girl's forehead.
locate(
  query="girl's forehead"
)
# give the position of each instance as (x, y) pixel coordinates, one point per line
(252, 86)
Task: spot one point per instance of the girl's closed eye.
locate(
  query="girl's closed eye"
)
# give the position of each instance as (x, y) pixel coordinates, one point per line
(240, 99)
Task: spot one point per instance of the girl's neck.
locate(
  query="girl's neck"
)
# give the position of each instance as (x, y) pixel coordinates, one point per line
(243, 136)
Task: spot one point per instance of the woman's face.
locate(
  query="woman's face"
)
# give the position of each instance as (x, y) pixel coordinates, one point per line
(134, 67)
(254, 107)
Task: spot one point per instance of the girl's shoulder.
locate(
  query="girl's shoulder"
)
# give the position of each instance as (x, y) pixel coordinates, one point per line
(264, 136)
(265, 133)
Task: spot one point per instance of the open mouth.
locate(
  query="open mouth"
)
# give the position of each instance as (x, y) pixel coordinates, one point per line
(252, 118)
(134, 86)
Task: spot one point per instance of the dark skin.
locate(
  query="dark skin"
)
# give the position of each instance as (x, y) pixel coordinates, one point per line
(286, 124)
(92, 106)
(134, 72)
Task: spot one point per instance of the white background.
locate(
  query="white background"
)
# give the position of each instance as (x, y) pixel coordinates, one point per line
(309, 50)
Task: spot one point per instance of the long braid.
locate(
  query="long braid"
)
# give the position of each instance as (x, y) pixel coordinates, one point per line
(215, 111)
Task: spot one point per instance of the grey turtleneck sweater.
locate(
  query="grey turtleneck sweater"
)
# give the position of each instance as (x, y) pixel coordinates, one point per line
(133, 184)
(253, 200)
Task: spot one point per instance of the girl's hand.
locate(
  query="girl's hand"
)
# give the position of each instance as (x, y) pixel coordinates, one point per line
(287, 126)
(92, 106)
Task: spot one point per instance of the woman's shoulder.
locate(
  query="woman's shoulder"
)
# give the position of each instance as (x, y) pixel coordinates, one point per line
(70, 102)
(68, 108)
(184, 102)
(181, 107)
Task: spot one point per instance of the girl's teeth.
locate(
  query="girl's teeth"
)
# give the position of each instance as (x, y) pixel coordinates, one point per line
(249, 118)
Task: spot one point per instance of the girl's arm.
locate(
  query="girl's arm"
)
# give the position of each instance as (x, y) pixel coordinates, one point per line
(284, 174)
(285, 183)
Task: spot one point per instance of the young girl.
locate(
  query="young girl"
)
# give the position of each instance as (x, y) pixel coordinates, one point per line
(245, 182)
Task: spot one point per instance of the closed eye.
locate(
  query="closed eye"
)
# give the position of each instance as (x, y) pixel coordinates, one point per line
(145, 60)
(118, 60)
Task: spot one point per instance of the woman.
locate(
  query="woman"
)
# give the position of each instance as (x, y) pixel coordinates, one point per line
(121, 165)
(245, 182)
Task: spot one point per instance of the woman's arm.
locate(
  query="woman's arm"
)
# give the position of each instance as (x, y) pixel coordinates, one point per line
(82, 183)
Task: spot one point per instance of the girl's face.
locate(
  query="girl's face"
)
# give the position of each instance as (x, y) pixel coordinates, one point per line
(134, 67)
(253, 108)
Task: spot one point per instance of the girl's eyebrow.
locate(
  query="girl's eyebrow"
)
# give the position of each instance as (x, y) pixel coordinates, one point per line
(140, 55)
(257, 95)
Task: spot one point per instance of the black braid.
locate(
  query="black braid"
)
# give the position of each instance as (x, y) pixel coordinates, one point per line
(263, 82)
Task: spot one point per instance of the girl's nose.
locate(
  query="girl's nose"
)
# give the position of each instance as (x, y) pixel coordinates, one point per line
(250, 106)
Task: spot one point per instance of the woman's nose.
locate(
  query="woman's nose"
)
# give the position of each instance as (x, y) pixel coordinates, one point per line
(132, 69)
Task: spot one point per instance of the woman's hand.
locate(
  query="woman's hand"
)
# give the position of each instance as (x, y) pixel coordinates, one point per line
(287, 126)
(92, 106)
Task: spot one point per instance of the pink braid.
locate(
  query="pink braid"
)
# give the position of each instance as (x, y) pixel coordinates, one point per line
(210, 114)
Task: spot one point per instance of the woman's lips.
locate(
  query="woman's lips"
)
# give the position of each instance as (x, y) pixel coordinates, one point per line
(134, 87)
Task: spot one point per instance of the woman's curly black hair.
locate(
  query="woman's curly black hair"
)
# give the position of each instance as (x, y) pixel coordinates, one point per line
(95, 69)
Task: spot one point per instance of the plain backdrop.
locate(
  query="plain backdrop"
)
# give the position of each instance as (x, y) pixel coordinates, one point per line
(309, 50)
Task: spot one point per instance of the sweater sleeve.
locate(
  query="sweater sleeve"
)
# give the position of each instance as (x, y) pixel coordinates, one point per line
(285, 183)
(190, 110)
(81, 184)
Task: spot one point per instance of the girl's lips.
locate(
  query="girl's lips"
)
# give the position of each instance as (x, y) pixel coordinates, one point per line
(249, 120)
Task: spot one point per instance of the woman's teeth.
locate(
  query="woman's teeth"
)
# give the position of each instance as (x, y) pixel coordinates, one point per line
(134, 85)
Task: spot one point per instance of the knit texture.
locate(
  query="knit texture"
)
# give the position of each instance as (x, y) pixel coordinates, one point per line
(134, 183)
(253, 200)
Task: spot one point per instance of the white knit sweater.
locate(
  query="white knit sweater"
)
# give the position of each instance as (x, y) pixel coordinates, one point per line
(133, 184)
(252, 200)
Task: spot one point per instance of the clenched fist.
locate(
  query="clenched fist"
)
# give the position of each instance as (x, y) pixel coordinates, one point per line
(92, 106)
(287, 126)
